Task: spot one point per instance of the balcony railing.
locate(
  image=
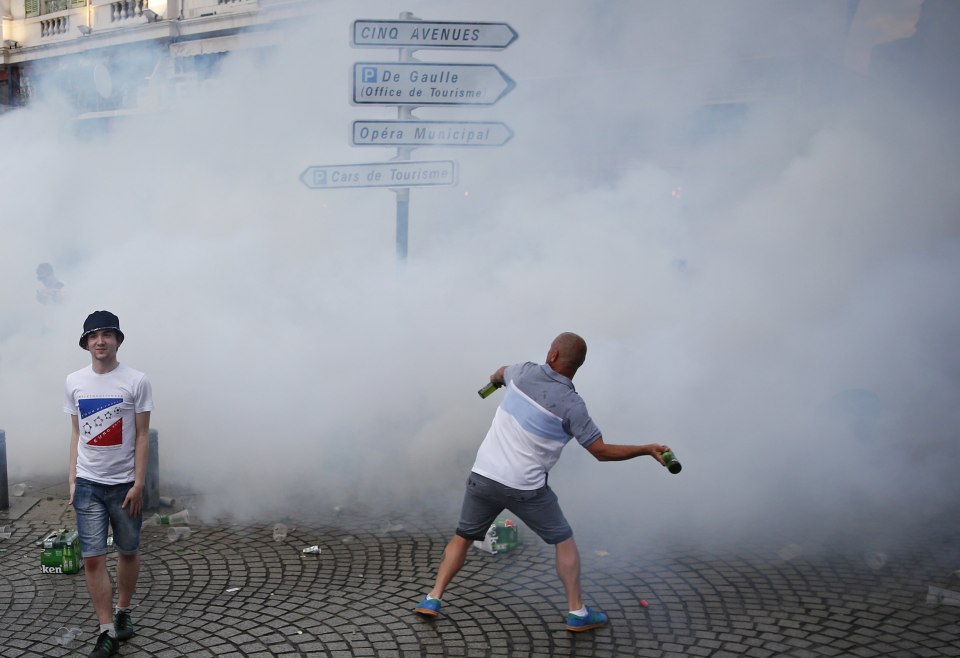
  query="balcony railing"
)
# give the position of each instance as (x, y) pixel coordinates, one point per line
(124, 9)
(50, 27)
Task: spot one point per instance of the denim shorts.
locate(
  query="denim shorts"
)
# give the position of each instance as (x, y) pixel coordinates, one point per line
(98, 505)
(539, 509)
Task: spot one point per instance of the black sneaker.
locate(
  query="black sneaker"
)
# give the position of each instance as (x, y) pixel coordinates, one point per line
(124, 625)
(106, 646)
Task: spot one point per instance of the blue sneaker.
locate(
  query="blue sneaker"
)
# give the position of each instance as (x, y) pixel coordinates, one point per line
(428, 607)
(593, 619)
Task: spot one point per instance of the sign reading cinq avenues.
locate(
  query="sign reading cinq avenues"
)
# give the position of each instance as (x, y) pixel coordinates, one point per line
(420, 83)
(431, 34)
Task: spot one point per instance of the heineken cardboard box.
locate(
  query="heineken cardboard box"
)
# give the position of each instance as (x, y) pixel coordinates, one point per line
(502, 536)
(61, 552)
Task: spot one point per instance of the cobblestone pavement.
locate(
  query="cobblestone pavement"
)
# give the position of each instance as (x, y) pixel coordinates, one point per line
(231, 590)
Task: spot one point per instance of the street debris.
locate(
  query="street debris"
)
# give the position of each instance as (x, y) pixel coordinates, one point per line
(875, 560)
(387, 527)
(941, 596)
(176, 534)
(66, 636)
(502, 536)
(790, 551)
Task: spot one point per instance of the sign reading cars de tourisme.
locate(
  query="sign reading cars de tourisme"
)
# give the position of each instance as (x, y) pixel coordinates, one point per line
(400, 173)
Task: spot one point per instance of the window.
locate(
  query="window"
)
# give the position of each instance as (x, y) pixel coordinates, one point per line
(38, 7)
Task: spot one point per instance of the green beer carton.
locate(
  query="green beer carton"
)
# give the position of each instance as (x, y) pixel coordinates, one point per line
(502, 536)
(61, 552)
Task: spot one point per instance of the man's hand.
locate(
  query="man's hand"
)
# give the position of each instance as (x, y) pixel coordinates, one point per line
(133, 502)
(657, 450)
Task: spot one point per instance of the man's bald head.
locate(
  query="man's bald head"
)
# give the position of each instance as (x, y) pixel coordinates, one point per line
(567, 353)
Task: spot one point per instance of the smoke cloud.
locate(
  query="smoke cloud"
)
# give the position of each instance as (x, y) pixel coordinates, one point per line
(748, 209)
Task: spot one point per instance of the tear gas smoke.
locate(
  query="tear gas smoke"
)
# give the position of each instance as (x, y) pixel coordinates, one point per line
(748, 209)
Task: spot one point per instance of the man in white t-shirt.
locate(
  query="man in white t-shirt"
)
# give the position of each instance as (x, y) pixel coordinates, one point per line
(109, 406)
(541, 411)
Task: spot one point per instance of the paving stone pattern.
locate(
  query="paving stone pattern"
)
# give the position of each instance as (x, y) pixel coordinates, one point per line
(231, 590)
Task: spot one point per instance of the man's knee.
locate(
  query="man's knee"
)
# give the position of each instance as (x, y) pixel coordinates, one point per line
(95, 563)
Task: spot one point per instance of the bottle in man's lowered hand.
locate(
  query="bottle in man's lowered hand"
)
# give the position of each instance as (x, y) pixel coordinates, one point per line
(487, 390)
(671, 462)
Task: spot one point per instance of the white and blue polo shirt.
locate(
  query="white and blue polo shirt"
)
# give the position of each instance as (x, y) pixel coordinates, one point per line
(540, 413)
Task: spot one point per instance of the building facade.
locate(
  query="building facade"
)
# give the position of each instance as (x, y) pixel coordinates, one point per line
(110, 57)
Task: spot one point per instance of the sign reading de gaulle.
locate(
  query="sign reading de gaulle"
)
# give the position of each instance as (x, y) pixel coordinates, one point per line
(431, 34)
(420, 83)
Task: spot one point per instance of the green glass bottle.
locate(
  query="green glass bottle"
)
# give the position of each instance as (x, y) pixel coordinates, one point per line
(671, 462)
(487, 390)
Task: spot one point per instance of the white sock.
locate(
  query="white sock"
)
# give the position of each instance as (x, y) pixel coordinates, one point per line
(109, 629)
(582, 612)
(432, 598)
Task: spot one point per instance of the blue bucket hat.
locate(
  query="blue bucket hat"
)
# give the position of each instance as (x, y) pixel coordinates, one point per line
(97, 321)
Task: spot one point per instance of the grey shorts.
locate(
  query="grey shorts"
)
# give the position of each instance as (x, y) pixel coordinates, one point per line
(539, 509)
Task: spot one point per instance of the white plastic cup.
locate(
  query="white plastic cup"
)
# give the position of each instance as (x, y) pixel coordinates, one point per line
(66, 636)
(279, 532)
(178, 518)
(178, 533)
(6, 531)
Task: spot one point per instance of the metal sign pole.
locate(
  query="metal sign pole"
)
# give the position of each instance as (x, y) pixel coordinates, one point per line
(403, 153)
(403, 215)
(4, 495)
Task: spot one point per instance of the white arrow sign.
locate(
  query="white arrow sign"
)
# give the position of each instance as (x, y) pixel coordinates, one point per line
(431, 34)
(405, 173)
(418, 83)
(430, 133)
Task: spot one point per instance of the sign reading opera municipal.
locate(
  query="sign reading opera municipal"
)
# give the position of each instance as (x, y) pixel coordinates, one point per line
(430, 133)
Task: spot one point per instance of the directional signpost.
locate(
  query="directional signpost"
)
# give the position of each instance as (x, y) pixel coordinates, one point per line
(431, 34)
(430, 133)
(407, 84)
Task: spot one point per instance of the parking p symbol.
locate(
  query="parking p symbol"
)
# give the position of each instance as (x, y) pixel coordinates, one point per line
(368, 74)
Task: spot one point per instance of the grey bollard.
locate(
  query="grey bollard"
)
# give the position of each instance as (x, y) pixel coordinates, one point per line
(151, 488)
(4, 493)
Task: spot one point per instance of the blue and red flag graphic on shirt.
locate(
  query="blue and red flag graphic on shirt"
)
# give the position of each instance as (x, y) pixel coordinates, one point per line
(100, 421)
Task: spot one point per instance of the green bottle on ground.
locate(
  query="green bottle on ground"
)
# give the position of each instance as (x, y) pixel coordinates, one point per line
(671, 462)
